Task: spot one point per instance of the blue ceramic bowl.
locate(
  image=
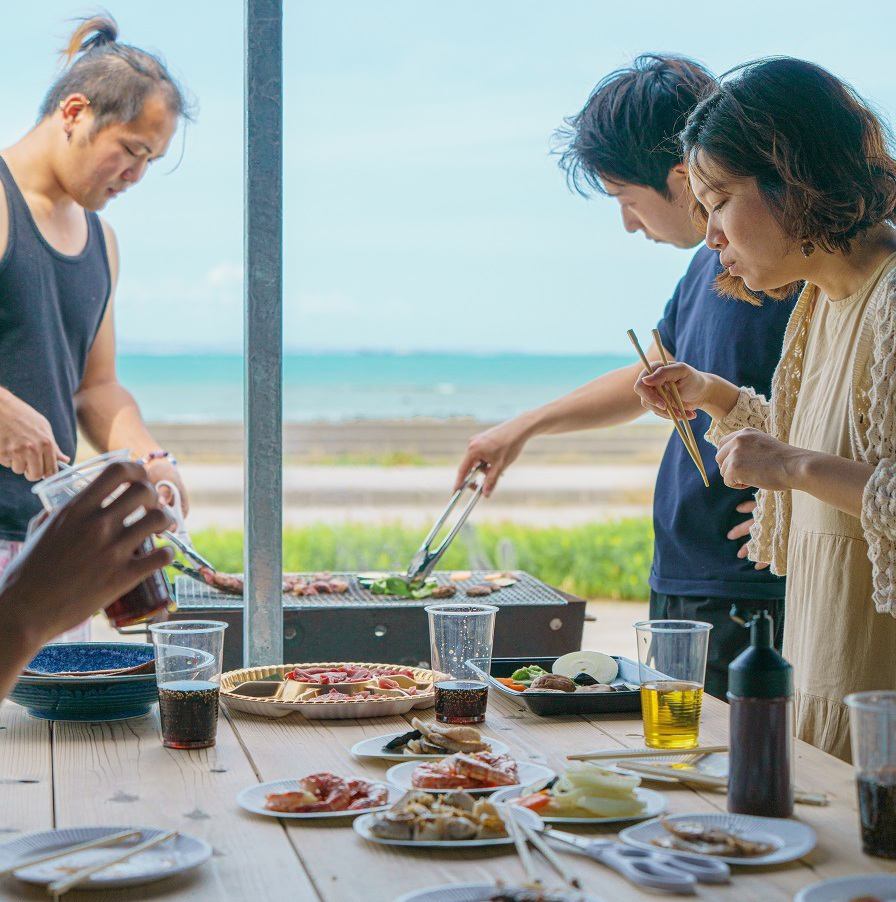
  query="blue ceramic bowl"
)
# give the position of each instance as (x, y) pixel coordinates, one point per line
(92, 659)
(51, 696)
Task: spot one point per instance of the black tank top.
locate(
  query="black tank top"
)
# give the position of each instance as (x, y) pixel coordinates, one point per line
(51, 306)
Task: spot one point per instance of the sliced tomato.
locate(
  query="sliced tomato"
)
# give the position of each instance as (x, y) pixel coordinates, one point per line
(534, 802)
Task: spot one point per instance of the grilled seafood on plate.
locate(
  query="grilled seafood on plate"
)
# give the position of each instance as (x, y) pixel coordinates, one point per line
(421, 816)
(438, 739)
(327, 792)
(479, 770)
(691, 836)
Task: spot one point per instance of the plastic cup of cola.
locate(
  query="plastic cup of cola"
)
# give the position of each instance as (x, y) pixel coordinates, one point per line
(457, 633)
(188, 673)
(872, 727)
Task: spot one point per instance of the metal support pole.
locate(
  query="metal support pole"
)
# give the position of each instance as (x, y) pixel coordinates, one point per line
(263, 333)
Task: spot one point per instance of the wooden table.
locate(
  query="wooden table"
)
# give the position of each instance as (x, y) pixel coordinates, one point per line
(66, 774)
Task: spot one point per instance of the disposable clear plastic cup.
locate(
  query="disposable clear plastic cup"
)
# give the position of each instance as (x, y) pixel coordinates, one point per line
(872, 727)
(56, 490)
(188, 673)
(149, 599)
(672, 670)
(457, 633)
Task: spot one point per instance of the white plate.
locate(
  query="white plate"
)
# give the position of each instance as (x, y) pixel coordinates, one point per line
(400, 776)
(252, 798)
(183, 853)
(842, 889)
(362, 824)
(655, 804)
(791, 838)
(471, 892)
(713, 765)
(373, 748)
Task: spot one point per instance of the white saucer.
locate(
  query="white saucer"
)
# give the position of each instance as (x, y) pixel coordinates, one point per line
(179, 854)
(373, 748)
(790, 838)
(842, 889)
(252, 798)
(362, 827)
(654, 802)
(470, 892)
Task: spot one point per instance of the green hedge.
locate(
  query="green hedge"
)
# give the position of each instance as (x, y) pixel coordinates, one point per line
(593, 560)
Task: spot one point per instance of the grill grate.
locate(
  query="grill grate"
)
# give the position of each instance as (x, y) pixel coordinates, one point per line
(527, 591)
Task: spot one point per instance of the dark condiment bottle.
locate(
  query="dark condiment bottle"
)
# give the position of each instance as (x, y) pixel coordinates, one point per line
(760, 693)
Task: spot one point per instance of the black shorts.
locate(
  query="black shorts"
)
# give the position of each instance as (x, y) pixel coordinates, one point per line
(727, 639)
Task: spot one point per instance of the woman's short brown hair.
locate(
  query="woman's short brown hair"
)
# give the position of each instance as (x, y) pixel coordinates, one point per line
(822, 159)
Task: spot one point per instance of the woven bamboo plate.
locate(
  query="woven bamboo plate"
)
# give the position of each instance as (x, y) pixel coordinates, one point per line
(350, 708)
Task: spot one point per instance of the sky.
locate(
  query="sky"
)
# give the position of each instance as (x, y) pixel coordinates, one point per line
(423, 210)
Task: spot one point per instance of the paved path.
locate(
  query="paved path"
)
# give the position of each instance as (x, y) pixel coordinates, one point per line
(534, 494)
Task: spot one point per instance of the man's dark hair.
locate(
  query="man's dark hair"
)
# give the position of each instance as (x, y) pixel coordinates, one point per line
(628, 130)
(116, 78)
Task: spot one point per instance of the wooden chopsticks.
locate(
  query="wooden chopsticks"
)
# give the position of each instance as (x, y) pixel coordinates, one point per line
(63, 886)
(679, 417)
(521, 834)
(619, 754)
(110, 839)
(710, 781)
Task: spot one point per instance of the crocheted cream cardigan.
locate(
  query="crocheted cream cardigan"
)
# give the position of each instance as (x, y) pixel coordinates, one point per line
(872, 426)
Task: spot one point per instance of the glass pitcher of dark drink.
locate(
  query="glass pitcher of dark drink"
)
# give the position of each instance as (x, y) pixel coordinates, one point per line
(150, 599)
(872, 728)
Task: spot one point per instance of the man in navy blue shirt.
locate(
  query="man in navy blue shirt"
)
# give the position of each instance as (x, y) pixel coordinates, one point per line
(624, 144)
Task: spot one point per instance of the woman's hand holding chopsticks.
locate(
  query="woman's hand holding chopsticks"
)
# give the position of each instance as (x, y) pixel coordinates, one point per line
(698, 391)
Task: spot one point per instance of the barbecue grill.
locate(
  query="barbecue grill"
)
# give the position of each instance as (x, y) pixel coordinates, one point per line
(357, 625)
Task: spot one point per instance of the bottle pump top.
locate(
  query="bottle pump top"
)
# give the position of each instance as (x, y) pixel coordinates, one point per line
(759, 671)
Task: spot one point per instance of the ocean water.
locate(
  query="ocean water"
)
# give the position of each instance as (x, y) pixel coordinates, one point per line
(344, 386)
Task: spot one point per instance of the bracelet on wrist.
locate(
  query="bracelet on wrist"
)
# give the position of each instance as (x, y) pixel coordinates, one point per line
(158, 454)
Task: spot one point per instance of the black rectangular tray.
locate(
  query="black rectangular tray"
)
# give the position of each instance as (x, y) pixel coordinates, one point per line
(545, 704)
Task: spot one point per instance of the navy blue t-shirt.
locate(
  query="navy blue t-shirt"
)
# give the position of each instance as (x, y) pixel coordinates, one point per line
(741, 343)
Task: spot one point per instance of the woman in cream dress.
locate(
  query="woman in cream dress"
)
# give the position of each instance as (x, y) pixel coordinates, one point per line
(795, 180)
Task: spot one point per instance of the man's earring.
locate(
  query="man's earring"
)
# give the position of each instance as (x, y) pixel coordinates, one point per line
(807, 248)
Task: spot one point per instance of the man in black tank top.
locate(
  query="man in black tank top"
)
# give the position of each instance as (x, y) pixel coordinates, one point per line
(111, 112)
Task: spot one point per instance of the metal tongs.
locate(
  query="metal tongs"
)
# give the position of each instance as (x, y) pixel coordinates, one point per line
(179, 537)
(425, 560)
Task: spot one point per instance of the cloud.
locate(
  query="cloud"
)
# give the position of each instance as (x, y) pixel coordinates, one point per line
(225, 275)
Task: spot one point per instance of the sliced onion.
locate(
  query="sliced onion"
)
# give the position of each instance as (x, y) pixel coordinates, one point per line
(595, 663)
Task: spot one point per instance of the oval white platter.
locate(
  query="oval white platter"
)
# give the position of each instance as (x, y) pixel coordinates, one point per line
(252, 798)
(373, 748)
(362, 824)
(654, 804)
(791, 839)
(528, 773)
(179, 854)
